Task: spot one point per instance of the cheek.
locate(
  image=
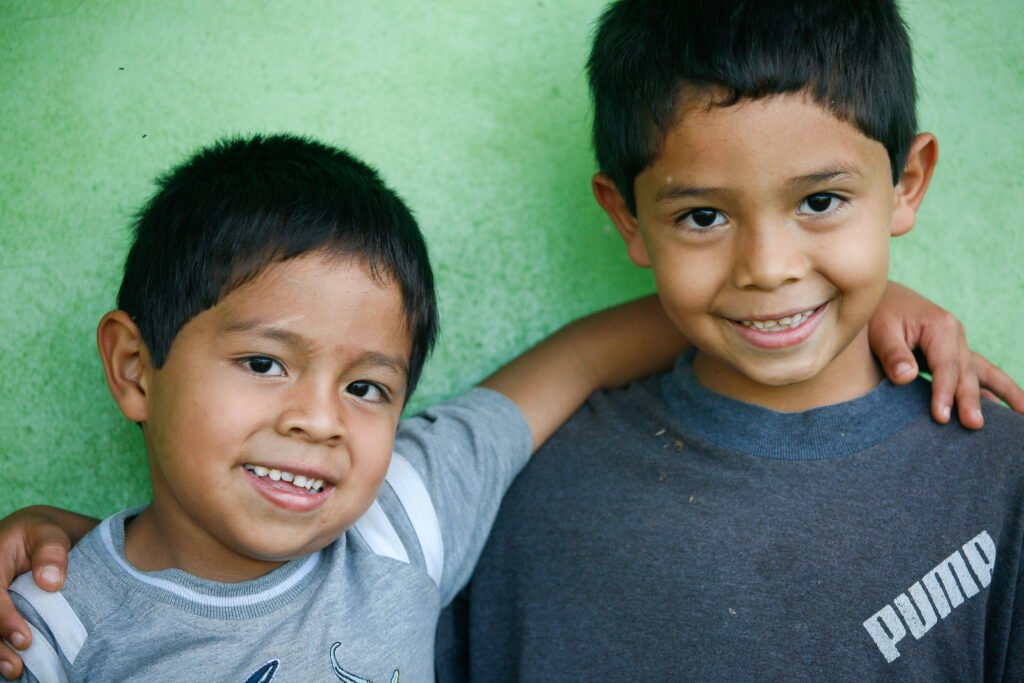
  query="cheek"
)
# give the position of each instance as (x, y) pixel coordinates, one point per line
(205, 431)
(370, 449)
(858, 262)
(688, 281)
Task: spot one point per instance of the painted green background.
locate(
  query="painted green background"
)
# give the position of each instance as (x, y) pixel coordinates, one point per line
(475, 111)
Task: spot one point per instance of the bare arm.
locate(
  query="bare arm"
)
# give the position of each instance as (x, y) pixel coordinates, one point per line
(601, 351)
(36, 537)
(607, 349)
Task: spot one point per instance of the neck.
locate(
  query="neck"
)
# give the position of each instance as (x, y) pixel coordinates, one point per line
(151, 545)
(851, 374)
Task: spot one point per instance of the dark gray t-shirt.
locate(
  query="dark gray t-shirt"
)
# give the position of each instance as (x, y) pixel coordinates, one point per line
(363, 609)
(669, 533)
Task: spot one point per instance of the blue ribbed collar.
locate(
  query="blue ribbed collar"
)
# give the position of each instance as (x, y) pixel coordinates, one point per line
(822, 433)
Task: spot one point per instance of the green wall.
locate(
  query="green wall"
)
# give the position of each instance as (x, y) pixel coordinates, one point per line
(476, 112)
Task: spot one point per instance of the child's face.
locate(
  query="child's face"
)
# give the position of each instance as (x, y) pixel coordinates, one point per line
(767, 226)
(297, 375)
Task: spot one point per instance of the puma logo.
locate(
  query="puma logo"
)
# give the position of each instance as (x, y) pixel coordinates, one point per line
(935, 596)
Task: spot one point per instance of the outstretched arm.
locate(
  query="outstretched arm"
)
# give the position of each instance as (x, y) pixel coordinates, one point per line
(607, 349)
(39, 537)
(601, 351)
(904, 321)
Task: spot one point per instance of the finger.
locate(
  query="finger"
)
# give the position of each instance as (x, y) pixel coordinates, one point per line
(944, 385)
(49, 554)
(999, 385)
(891, 346)
(968, 400)
(10, 662)
(944, 345)
(15, 631)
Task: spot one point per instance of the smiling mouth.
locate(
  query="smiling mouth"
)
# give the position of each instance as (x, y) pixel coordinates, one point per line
(780, 325)
(296, 480)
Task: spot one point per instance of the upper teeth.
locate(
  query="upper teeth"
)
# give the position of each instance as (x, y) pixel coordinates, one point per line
(781, 324)
(315, 485)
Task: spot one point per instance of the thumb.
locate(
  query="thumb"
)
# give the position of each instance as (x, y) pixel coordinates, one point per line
(48, 552)
(893, 348)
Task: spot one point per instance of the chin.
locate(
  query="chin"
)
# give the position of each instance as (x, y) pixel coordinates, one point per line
(784, 376)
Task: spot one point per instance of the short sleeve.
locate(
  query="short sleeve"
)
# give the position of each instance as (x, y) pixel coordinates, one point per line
(466, 452)
(57, 634)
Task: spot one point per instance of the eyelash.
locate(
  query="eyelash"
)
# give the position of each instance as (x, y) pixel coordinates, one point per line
(353, 388)
(684, 219)
(836, 203)
(248, 362)
(384, 396)
(839, 203)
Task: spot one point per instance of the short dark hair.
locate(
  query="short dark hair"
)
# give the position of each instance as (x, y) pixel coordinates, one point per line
(853, 57)
(241, 204)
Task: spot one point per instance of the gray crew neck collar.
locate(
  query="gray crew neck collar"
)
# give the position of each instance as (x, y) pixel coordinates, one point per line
(828, 432)
(243, 600)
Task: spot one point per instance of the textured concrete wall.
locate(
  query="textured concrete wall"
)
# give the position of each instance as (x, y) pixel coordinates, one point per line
(475, 111)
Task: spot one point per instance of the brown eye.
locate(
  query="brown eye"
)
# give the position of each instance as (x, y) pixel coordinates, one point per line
(261, 365)
(702, 219)
(819, 204)
(367, 391)
(705, 218)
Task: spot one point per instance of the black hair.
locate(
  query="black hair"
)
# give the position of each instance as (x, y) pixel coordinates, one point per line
(853, 57)
(241, 204)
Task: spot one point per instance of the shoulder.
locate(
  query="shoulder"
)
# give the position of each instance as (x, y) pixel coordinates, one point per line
(448, 461)
(469, 425)
(1003, 434)
(988, 459)
(1004, 429)
(402, 524)
(1001, 419)
(58, 634)
(639, 408)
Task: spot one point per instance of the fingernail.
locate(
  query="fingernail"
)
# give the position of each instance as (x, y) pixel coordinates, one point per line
(945, 412)
(50, 574)
(904, 368)
(18, 640)
(7, 669)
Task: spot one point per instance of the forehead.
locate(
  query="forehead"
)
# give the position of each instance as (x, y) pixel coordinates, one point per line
(779, 135)
(327, 301)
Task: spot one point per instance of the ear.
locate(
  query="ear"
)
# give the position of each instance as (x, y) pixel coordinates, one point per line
(126, 363)
(613, 203)
(917, 174)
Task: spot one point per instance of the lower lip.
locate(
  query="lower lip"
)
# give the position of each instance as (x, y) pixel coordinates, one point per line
(285, 496)
(785, 338)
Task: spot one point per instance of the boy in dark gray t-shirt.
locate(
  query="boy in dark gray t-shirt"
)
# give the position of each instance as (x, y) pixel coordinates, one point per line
(773, 509)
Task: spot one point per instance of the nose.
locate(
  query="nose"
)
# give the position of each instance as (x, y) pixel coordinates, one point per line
(768, 255)
(313, 411)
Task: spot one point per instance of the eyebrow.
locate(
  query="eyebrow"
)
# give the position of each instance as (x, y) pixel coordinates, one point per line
(270, 332)
(374, 358)
(386, 361)
(672, 192)
(820, 177)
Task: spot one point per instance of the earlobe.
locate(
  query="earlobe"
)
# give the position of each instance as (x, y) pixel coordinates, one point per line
(125, 363)
(917, 174)
(614, 204)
